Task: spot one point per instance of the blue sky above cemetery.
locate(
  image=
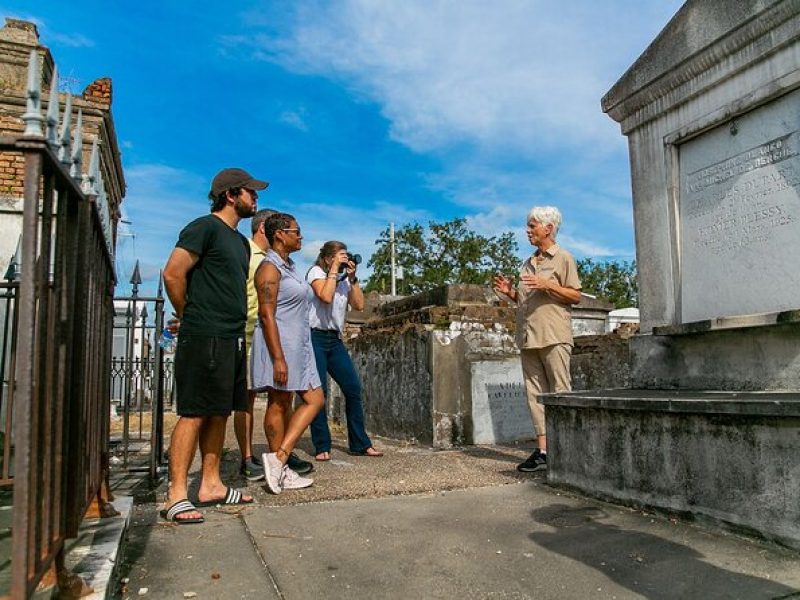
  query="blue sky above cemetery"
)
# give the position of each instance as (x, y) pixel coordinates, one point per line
(363, 112)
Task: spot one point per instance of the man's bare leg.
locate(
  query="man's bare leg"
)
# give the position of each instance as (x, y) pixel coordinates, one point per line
(541, 442)
(243, 427)
(182, 446)
(212, 438)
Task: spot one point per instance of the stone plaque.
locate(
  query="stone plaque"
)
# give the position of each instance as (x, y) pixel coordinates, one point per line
(499, 405)
(740, 215)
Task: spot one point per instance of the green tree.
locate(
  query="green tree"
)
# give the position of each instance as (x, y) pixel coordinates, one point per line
(611, 280)
(442, 253)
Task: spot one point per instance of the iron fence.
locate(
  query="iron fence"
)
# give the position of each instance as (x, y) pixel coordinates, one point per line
(141, 381)
(57, 359)
(8, 310)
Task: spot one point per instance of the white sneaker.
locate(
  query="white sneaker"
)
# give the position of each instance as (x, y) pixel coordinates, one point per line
(292, 480)
(273, 471)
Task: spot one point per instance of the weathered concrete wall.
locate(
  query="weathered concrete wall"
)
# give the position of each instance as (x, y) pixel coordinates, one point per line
(475, 366)
(395, 371)
(452, 421)
(601, 362)
(761, 358)
(732, 460)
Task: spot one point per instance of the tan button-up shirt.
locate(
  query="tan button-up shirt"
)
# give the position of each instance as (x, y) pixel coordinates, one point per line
(542, 320)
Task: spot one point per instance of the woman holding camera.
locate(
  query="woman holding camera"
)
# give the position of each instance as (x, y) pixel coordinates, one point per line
(333, 279)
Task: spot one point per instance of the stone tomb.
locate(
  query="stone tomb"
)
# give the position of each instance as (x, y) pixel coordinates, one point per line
(710, 426)
(441, 368)
(739, 214)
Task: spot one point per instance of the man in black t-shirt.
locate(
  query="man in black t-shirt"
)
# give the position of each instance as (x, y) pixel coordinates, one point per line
(205, 278)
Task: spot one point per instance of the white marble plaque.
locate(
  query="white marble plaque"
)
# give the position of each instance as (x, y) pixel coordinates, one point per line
(740, 215)
(499, 405)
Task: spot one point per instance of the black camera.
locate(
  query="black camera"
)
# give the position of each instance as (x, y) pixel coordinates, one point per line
(353, 258)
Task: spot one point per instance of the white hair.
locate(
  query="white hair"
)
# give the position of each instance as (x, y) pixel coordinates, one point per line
(546, 215)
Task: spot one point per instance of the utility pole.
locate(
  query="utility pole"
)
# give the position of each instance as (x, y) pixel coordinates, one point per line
(391, 244)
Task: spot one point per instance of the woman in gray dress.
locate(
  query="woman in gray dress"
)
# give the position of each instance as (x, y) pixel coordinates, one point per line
(282, 360)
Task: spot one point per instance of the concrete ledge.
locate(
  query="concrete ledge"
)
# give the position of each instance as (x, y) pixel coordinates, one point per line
(445, 295)
(726, 458)
(743, 359)
(772, 404)
(93, 554)
(726, 323)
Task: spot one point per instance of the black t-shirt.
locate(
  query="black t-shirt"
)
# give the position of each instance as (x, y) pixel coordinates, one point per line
(216, 295)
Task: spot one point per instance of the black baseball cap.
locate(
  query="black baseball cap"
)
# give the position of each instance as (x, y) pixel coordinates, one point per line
(234, 178)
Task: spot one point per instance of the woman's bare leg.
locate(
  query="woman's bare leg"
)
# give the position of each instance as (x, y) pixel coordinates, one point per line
(313, 400)
(278, 405)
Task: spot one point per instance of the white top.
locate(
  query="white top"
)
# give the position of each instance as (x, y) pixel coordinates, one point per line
(328, 316)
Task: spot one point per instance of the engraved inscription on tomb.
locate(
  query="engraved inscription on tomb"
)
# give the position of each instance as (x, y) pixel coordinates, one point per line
(739, 215)
(508, 410)
(738, 202)
(499, 405)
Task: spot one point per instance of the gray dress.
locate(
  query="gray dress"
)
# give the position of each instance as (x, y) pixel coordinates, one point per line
(294, 299)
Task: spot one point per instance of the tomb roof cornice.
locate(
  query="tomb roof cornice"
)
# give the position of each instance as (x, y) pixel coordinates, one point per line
(704, 44)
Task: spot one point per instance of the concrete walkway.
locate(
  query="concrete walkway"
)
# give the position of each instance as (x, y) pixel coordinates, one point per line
(423, 524)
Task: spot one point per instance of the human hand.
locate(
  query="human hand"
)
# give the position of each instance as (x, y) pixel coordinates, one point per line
(534, 282)
(339, 259)
(173, 325)
(503, 284)
(280, 372)
(351, 270)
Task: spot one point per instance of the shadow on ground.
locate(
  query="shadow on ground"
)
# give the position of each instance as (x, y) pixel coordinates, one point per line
(657, 568)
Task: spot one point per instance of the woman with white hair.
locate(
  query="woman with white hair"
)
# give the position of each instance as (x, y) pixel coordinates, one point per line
(549, 286)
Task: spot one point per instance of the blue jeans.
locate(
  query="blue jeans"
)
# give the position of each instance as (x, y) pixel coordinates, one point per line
(332, 357)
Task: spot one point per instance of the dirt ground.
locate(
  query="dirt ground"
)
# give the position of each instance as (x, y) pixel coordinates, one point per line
(404, 469)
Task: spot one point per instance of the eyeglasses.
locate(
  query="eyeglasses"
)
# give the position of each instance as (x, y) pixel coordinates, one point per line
(295, 230)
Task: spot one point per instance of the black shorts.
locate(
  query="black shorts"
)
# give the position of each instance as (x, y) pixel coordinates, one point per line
(210, 375)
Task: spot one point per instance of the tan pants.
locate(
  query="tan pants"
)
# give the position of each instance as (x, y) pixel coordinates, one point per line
(545, 370)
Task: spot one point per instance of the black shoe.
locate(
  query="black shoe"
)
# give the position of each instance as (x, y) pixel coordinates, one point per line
(252, 470)
(298, 465)
(536, 462)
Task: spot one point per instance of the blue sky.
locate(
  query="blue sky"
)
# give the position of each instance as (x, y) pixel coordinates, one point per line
(361, 112)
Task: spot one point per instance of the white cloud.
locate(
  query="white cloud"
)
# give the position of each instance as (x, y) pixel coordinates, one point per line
(498, 220)
(177, 194)
(310, 250)
(294, 119)
(524, 75)
(70, 40)
(506, 97)
(585, 247)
